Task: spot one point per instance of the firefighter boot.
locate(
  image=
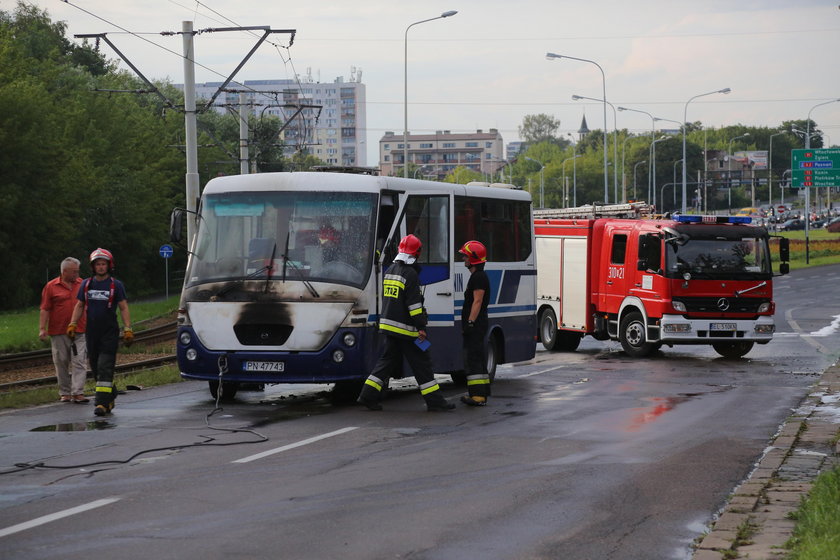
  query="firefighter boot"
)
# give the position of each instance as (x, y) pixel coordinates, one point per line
(371, 391)
(474, 400)
(436, 403)
(103, 409)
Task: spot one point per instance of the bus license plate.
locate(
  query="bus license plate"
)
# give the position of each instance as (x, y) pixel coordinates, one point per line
(264, 366)
(722, 327)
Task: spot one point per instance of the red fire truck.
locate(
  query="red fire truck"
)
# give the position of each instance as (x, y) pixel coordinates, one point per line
(612, 273)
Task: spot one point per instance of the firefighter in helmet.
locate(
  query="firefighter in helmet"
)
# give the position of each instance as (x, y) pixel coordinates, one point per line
(474, 323)
(99, 297)
(403, 322)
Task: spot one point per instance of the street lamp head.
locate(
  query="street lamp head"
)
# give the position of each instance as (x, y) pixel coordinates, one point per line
(622, 108)
(449, 13)
(576, 97)
(550, 56)
(725, 90)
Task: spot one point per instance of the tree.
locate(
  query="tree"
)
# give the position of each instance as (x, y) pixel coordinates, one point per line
(539, 128)
(461, 176)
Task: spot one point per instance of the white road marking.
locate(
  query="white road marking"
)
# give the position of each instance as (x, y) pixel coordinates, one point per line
(523, 376)
(294, 445)
(55, 516)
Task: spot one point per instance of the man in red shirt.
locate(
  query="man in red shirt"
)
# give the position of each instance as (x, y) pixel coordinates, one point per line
(70, 357)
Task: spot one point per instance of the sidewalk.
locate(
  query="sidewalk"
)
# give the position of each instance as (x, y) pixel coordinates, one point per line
(760, 506)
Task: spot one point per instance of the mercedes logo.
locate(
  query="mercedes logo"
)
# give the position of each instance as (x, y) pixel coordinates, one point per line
(723, 304)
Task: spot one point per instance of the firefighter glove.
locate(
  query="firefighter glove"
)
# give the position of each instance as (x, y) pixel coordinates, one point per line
(128, 336)
(71, 330)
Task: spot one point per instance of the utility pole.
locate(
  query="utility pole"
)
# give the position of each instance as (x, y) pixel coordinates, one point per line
(243, 134)
(191, 135)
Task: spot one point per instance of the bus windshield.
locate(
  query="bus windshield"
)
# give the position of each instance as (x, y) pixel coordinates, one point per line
(746, 258)
(306, 236)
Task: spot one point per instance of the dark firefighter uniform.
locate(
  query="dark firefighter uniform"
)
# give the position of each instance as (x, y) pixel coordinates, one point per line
(401, 321)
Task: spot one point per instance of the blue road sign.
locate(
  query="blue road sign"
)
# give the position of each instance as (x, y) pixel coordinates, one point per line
(166, 251)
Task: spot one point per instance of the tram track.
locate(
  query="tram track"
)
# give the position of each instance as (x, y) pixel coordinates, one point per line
(34, 368)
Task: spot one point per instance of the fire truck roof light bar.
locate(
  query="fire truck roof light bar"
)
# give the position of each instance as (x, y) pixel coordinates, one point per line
(688, 219)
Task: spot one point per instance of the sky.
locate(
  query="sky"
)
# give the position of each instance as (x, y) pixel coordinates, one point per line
(485, 67)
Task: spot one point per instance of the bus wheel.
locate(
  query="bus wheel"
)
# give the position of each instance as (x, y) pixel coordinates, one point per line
(632, 334)
(568, 341)
(548, 329)
(732, 350)
(229, 389)
(492, 357)
(346, 391)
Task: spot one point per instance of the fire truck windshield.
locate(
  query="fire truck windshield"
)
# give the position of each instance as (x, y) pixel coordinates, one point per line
(746, 258)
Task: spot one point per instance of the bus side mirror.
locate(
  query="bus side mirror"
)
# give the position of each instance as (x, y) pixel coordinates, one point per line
(176, 225)
(784, 249)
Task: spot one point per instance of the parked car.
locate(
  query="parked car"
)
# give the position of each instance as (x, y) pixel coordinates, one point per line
(791, 225)
(834, 225)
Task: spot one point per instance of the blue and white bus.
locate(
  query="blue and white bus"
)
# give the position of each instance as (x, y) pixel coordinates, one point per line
(283, 283)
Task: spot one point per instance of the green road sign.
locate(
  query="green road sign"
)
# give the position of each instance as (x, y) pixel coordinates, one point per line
(815, 168)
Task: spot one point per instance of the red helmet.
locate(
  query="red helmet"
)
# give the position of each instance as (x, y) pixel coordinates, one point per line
(102, 254)
(410, 245)
(327, 234)
(475, 252)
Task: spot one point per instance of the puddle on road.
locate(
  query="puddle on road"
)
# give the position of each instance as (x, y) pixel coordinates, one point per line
(75, 427)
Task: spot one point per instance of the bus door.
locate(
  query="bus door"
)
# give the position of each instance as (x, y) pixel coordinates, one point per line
(428, 216)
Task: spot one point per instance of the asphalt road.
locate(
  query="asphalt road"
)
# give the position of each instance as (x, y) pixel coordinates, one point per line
(582, 455)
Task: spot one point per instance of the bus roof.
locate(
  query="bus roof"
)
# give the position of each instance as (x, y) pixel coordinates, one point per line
(330, 181)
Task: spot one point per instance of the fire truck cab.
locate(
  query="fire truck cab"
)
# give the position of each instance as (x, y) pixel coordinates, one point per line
(653, 282)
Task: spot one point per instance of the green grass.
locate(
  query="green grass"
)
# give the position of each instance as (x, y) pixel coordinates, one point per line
(817, 532)
(19, 330)
(49, 393)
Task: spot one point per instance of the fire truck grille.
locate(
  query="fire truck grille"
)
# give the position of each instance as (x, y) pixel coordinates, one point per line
(722, 305)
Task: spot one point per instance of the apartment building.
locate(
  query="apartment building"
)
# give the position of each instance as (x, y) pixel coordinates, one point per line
(439, 153)
(327, 120)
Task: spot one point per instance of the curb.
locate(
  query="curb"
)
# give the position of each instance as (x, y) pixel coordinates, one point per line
(761, 506)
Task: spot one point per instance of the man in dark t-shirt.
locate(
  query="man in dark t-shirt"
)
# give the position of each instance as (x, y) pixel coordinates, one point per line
(474, 323)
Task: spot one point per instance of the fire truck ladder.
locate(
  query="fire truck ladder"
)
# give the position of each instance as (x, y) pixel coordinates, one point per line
(628, 210)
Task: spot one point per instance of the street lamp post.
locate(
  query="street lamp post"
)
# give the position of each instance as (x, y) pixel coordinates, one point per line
(770, 170)
(405, 90)
(615, 140)
(565, 197)
(652, 134)
(551, 56)
(652, 193)
(675, 182)
(729, 153)
(634, 176)
(808, 189)
(542, 179)
(685, 131)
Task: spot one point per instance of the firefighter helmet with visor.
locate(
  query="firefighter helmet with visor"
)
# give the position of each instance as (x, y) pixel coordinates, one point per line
(475, 251)
(102, 254)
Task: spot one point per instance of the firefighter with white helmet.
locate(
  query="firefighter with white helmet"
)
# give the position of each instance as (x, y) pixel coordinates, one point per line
(474, 323)
(403, 322)
(99, 297)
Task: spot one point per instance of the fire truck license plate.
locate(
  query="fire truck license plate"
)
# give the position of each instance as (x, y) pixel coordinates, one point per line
(722, 327)
(264, 366)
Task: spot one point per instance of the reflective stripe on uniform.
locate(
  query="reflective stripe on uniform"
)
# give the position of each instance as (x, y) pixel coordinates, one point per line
(429, 387)
(415, 309)
(481, 379)
(397, 327)
(374, 382)
(104, 389)
(394, 280)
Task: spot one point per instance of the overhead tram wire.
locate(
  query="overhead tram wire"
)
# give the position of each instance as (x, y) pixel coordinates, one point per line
(167, 33)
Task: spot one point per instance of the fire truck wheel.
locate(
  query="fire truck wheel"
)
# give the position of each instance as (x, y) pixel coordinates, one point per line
(548, 329)
(633, 335)
(732, 350)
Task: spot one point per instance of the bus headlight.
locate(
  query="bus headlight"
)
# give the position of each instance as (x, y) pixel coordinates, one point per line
(338, 356)
(349, 340)
(185, 338)
(192, 354)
